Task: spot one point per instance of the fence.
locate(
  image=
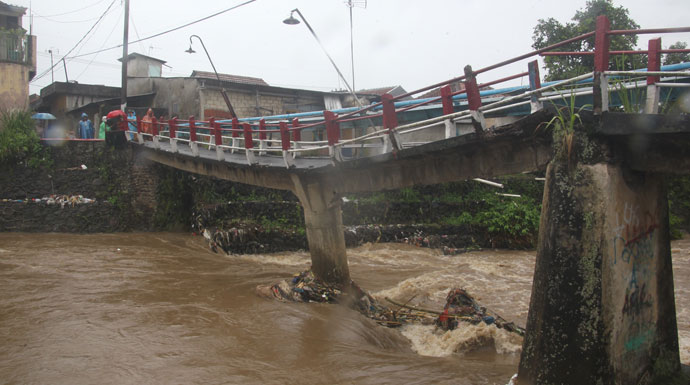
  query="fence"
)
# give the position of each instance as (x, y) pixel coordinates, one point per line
(282, 135)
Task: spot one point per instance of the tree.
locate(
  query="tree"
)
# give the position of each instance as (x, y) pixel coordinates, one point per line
(674, 58)
(551, 31)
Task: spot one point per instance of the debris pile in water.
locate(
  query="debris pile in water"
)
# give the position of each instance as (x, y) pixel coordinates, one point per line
(460, 306)
(62, 200)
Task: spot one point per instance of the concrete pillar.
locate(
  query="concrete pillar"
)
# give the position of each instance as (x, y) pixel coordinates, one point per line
(324, 224)
(602, 309)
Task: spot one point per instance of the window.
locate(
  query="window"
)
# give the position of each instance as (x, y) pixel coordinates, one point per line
(154, 71)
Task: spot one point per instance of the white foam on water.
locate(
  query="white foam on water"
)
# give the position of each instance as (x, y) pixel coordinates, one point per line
(283, 259)
(427, 340)
(394, 254)
(427, 288)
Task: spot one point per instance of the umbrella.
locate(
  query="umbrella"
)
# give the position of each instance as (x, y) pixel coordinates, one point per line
(43, 116)
(115, 114)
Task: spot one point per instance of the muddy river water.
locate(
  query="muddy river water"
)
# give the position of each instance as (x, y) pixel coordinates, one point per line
(160, 308)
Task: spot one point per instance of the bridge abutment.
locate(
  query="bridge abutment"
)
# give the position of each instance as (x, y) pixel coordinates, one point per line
(602, 309)
(324, 225)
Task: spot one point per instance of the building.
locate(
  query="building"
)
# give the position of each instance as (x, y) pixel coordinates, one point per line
(67, 101)
(199, 94)
(17, 58)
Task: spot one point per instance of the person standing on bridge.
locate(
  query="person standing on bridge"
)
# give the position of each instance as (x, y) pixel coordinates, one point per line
(132, 119)
(101, 128)
(85, 127)
(147, 123)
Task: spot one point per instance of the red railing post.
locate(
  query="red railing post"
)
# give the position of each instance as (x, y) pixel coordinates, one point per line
(285, 144)
(218, 138)
(533, 71)
(235, 127)
(390, 122)
(284, 136)
(474, 100)
(654, 59)
(139, 125)
(333, 135)
(217, 133)
(296, 133)
(248, 143)
(262, 129)
(172, 125)
(192, 129)
(248, 140)
(154, 126)
(262, 135)
(390, 119)
(602, 43)
(447, 99)
(653, 64)
(332, 127)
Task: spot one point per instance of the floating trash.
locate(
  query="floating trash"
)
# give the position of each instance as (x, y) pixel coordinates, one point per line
(62, 200)
(460, 306)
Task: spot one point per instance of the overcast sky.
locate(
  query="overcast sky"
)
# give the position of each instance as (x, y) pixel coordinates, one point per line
(396, 42)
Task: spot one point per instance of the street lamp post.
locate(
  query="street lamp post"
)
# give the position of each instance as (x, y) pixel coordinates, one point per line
(292, 21)
(222, 91)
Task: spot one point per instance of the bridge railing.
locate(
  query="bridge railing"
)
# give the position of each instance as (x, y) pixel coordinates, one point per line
(388, 126)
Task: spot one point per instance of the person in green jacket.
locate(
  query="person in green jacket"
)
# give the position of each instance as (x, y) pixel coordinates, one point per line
(101, 129)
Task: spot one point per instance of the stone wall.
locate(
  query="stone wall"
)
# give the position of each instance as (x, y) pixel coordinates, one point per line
(244, 103)
(122, 185)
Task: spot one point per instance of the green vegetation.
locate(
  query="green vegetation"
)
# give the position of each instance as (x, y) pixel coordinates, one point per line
(679, 205)
(550, 31)
(174, 199)
(674, 58)
(509, 221)
(19, 142)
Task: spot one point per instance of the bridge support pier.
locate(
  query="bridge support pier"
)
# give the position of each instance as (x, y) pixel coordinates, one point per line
(602, 309)
(324, 225)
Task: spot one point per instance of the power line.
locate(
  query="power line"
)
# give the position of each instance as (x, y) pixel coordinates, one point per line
(104, 43)
(136, 31)
(67, 21)
(168, 31)
(69, 12)
(86, 61)
(79, 42)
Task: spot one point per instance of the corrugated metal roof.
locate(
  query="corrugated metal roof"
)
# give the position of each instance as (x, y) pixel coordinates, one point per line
(230, 78)
(376, 91)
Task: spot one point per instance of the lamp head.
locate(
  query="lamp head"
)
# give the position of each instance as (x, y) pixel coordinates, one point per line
(291, 20)
(190, 50)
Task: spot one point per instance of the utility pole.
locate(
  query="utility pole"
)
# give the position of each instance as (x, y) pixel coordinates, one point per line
(123, 95)
(52, 74)
(352, 46)
(64, 64)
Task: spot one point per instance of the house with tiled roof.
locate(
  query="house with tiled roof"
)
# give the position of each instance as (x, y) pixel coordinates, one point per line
(199, 94)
